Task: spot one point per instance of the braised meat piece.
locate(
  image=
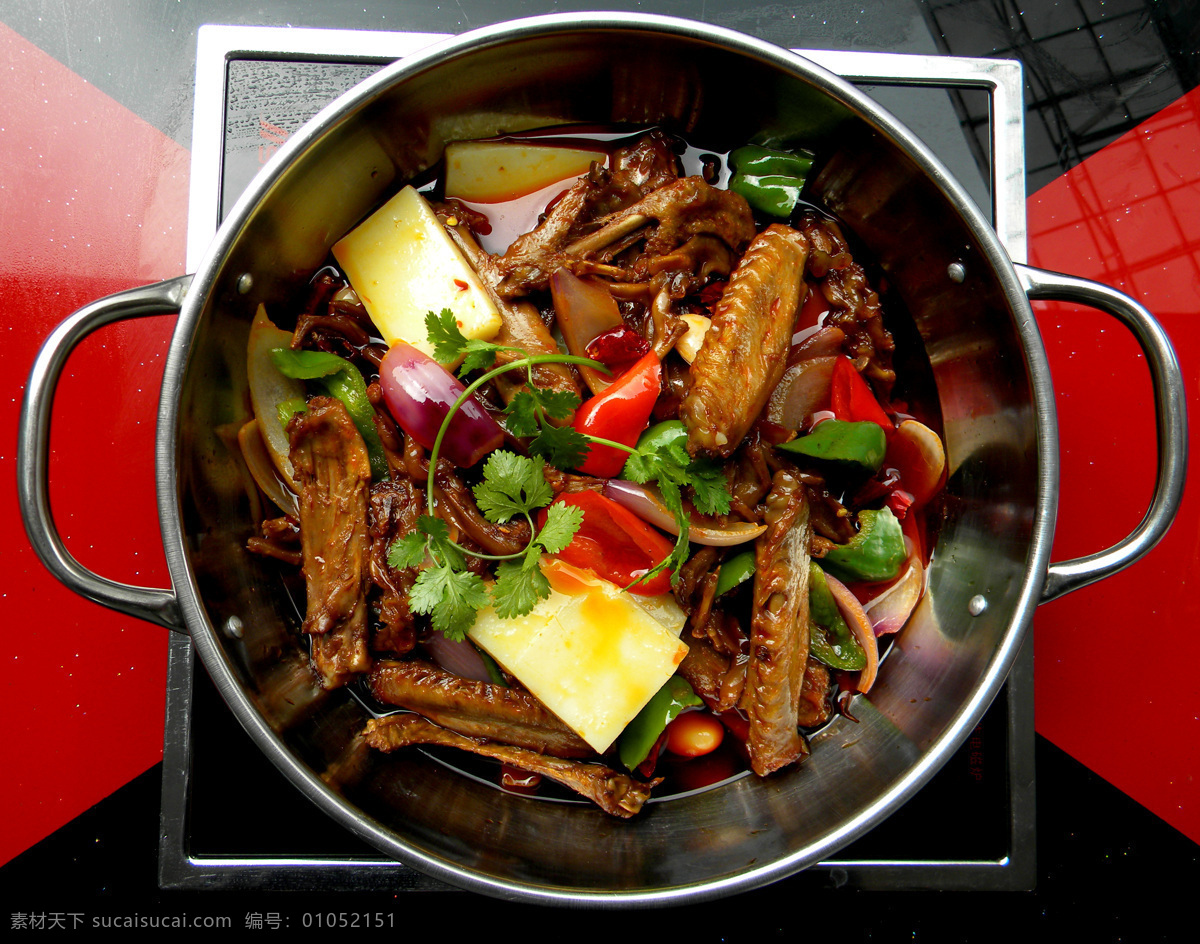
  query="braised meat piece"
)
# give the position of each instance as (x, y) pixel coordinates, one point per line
(636, 171)
(854, 304)
(456, 504)
(395, 506)
(815, 708)
(665, 220)
(615, 793)
(333, 473)
(521, 324)
(779, 629)
(280, 539)
(638, 168)
(474, 708)
(745, 350)
(716, 678)
(681, 209)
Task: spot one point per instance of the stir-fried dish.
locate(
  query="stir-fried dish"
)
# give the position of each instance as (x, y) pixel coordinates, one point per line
(592, 463)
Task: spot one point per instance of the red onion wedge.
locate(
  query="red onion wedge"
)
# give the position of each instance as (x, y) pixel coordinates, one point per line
(916, 452)
(802, 391)
(419, 392)
(645, 502)
(816, 341)
(263, 469)
(585, 309)
(890, 610)
(856, 618)
(457, 656)
(268, 388)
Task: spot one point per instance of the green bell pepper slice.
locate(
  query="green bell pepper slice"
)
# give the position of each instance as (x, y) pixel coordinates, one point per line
(642, 733)
(337, 377)
(286, 409)
(663, 437)
(863, 444)
(830, 639)
(734, 572)
(775, 196)
(770, 180)
(767, 162)
(875, 554)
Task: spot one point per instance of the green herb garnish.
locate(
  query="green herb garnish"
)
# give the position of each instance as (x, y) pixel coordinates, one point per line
(661, 457)
(515, 486)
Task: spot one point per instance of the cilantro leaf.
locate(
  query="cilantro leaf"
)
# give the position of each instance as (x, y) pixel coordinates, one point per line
(668, 463)
(522, 413)
(562, 521)
(641, 467)
(408, 551)
(443, 333)
(480, 355)
(512, 485)
(710, 488)
(562, 446)
(556, 404)
(440, 545)
(450, 344)
(518, 587)
(520, 583)
(451, 597)
(532, 407)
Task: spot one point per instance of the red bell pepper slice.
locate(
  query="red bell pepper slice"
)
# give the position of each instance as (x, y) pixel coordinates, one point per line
(619, 414)
(851, 399)
(615, 543)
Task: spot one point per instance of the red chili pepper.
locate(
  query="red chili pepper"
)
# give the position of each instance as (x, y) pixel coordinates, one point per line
(615, 543)
(899, 501)
(617, 348)
(619, 414)
(851, 399)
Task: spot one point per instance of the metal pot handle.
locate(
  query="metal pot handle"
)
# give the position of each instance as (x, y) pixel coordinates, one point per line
(157, 606)
(1170, 415)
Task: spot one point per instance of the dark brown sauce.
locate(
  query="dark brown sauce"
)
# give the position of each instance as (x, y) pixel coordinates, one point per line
(508, 219)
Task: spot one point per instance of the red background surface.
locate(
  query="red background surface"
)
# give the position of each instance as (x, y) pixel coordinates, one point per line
(86, 686)
(1115, 662)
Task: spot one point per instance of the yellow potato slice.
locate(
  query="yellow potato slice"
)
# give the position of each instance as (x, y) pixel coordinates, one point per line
(495, 171)
(403, 265)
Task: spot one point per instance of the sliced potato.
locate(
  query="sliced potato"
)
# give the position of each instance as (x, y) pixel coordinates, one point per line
(495, 171)
(403, 265)
(591, 653)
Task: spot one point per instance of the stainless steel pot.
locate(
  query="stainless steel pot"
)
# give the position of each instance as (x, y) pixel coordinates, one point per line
(970, 303)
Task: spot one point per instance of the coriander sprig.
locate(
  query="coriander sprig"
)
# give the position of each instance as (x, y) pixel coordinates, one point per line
(668, 464)
(514, 485)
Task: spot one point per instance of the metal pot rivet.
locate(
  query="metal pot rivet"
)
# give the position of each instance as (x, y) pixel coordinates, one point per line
(977, 604)
(957, 272)
(233, 627)
(245, 282)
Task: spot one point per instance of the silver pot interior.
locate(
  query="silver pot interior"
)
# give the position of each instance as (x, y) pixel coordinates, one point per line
(970, 336)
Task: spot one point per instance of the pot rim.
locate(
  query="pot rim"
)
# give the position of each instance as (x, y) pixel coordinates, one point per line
(204, 634)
